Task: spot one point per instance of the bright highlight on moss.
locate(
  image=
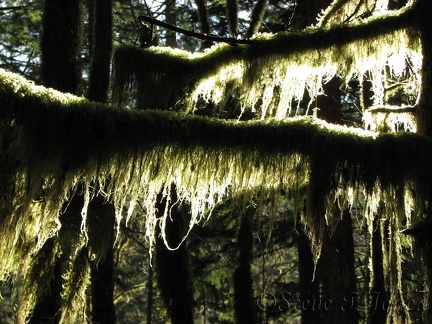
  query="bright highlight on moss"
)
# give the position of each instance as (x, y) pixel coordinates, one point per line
(55, 146)
(271, 75)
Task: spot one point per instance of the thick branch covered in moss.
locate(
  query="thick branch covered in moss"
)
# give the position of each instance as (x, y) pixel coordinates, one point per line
(61, 141)
(271, 74)
(53, 144)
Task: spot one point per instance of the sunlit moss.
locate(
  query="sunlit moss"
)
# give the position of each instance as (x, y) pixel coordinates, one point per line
(56, 145)
(273, 73)
(136, 155)
(389, 118)
(341, 11)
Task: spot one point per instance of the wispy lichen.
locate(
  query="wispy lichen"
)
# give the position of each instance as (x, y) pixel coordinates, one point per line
(55, 146)
(271, 75)
(64, 143)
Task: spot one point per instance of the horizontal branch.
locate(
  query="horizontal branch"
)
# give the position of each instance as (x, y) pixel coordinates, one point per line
(392, 109)
(99, 133)
(208, 37)
(335, 37)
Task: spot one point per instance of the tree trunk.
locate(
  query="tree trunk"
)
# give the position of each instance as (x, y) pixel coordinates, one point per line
(149, 294)
(101, 58)
(424, 126)
(337, 275)
(173, 269)
(47, 307)
(244, 304)
(366, 92)
(329, 104)
(61, 45)
(101, 223)
(60, 69)
(424, 241)
(102, 269)
(309, 288)
(424, 110)
(204, 21)
(257, 17)
(378, 293)
(102, 289)
(170, 18)
(422, 234)
(91, 22)
(232, 14)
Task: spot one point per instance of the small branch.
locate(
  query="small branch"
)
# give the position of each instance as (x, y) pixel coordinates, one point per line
(392, 109)
(214, 38)
(11, 8)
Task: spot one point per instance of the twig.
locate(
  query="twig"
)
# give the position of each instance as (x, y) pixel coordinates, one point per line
(214, 38)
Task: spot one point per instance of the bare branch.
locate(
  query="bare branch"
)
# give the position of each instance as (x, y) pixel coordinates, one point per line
(207, 37)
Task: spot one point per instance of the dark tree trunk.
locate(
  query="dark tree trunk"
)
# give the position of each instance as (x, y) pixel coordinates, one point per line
(424, 126)
(424, 110)
(204, 21)
(335, 269)
(173, 269)
(232, 14)
(102, 289)
(423, 240)
(378, 293)
(102, 270)
(257, 17)
(170, 18)
(101, 223)
(60, 69)
(103, 214)
(91, 22)
(101, 58)
(366, 92)
(337, 275)
(309, 288)
(47, 307)
(244, 303)
(330, 104)
(61, 45)
(422, 234)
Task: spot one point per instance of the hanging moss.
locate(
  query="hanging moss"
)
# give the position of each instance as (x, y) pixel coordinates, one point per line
(390, 119)
(142, 153)
(341, 11)
(271, 74)
(54, 141)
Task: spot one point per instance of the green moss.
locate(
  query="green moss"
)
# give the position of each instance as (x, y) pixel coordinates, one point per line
(65, 140)
(52, 142)
(271, 74)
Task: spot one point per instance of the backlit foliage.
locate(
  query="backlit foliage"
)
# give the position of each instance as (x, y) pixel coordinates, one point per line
(54, 146)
